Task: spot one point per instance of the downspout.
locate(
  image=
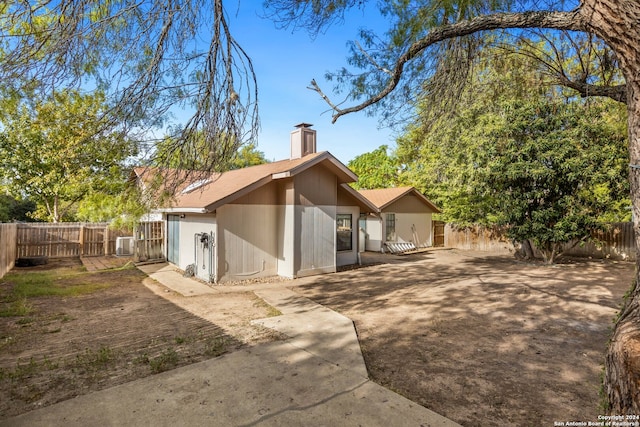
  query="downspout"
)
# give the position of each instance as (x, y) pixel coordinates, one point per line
(212, 246)
(195, 252)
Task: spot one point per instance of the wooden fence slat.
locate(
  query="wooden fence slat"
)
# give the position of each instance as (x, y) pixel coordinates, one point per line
(149, 239)
(62, 240)
(8, 247)
(617, 242)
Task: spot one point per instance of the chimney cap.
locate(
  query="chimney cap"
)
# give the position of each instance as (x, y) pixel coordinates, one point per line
(303, 125)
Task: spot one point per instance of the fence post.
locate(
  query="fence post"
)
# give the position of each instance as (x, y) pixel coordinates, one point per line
(81, 239)
(8, 247)
(106, 240)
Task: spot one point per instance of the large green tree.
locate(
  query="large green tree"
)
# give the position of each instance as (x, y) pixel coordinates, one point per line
(376, 169)
(247, 155)
(428, 51)
(553, 172)
(13, 209)
(147, 56)
(59, 151)
(513, 138)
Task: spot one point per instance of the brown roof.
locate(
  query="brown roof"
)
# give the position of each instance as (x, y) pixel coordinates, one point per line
(362, 202)
(212, 191)
(383, 197)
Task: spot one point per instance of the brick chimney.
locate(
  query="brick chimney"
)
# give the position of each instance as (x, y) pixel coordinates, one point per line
(303, 141)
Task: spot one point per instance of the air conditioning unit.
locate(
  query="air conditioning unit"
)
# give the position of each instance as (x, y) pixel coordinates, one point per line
(125, 246)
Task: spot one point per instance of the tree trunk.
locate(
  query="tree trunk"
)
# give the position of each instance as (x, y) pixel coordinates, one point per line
(55, 217)
(526, 251)
(622, 365)
(618, 23)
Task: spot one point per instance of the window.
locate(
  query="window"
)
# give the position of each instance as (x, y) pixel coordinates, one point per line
(195, 185)
(390, 230)
(344, 230)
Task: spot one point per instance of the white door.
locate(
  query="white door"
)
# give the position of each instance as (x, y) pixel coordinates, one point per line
(362, 233)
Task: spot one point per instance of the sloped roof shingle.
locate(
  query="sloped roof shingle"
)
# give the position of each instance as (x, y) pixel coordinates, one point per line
(383, 197)
(218, 189)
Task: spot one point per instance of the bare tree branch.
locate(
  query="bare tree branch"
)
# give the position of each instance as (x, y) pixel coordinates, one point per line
(551, 20)
(149, 57)
(593, 62)
(371, 60)
(617, 93)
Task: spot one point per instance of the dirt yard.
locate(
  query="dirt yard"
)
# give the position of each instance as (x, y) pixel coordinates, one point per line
(485, 341)
(67, 346)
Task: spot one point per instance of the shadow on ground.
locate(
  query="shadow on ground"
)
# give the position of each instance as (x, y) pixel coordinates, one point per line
(483, 340)
(69, 346)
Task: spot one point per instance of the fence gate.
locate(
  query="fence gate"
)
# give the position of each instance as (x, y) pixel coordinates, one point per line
(149, 237)
(438, 233)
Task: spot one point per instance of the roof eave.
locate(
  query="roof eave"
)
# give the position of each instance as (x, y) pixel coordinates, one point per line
(242, 192)
(347, 174)
(182, 210)
(409, 190)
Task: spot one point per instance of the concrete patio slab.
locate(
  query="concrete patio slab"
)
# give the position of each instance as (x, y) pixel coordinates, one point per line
(275, 384)
(172, 279)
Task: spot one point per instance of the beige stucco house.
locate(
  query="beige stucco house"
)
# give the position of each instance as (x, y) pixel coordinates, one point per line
(403, 215)
(290, 218)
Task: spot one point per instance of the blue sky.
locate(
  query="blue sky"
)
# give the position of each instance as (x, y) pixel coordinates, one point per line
(285, 62)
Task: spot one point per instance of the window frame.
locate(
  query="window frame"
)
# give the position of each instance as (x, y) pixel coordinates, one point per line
(339, 247)
(390, 227)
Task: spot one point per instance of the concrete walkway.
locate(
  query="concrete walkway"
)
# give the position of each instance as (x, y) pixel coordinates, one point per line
(169, 277)
(316, 329)
(316, 377)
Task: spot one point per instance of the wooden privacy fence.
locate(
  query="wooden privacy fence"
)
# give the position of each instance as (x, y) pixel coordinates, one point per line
(8, 246)
(66, 239)
(477, 238)
(616, 242)
(78, 239)
(149, 241)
